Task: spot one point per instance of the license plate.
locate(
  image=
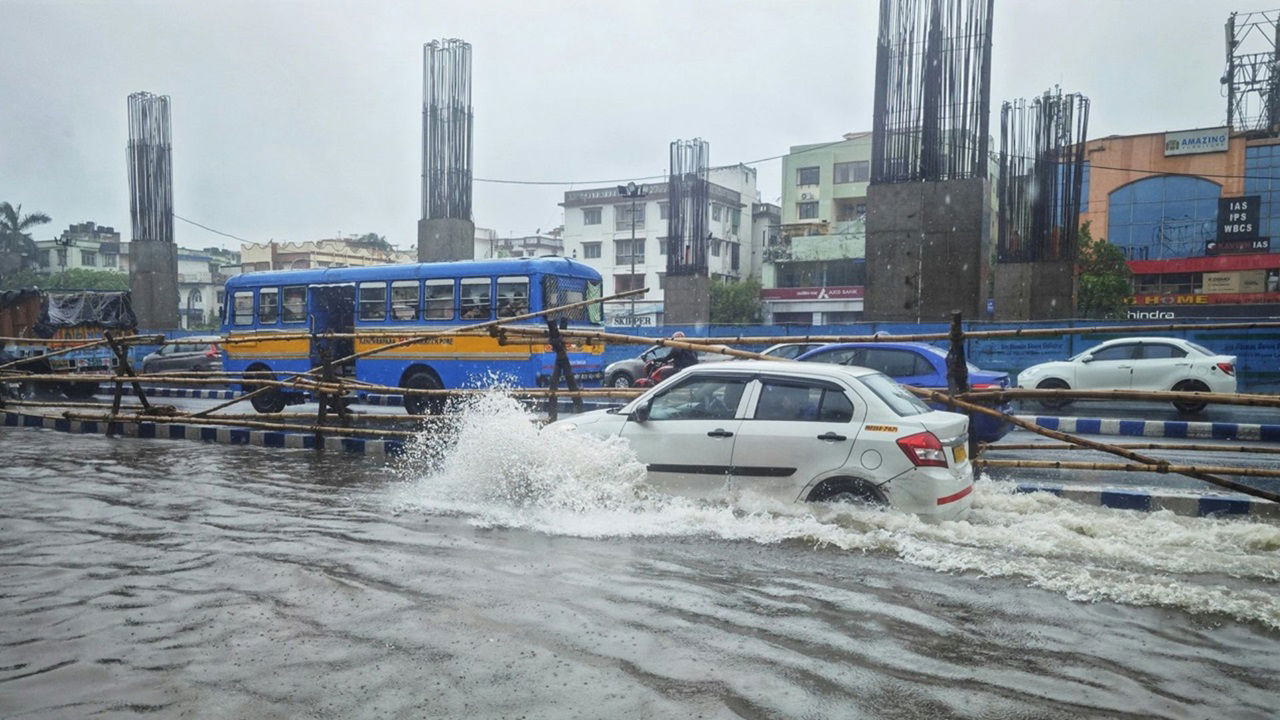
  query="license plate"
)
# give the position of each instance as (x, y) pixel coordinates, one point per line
(960, 453)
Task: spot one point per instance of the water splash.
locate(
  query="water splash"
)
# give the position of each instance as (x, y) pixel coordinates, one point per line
(496, 467)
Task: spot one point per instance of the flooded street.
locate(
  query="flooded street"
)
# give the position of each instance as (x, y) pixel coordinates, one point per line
(508, 574)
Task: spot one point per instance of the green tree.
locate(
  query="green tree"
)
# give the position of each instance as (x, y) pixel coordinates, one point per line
(374, 241)
(17, 249)
(73, 279)
(736, 303)
(1104, 279)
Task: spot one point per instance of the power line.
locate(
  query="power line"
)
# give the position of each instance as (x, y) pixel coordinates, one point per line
(206, 227)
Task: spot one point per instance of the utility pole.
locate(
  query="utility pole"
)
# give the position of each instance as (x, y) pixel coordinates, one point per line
(632, 191)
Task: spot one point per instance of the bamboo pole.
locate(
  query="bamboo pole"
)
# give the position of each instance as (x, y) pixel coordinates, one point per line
(637, 340)
(982, 334)
(37, 358)
(1127, 467)
(1257, 400)
(126, 339)
(249, 424)
(425, 336)
(304, 383)
(1189, 447)
(1093, 444)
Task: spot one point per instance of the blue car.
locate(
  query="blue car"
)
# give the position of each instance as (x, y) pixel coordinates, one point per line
(923, 366)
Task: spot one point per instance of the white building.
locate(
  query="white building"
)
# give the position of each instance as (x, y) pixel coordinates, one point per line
(598, 229)
(83, 245)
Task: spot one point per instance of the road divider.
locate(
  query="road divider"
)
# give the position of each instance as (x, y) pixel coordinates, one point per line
(1157, 428)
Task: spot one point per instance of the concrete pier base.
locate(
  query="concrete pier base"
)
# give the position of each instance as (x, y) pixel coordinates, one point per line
(687, 300)
(153, 280)
(926, 249)
(1034, 290)
(445, 239)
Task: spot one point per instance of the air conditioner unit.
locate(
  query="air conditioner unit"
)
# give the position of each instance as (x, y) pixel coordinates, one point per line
(808, 196)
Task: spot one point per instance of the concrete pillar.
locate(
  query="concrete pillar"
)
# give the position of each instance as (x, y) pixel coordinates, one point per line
(1034, 290)
(445, 239)
(153, 280)
(687, 300)
(926, 248)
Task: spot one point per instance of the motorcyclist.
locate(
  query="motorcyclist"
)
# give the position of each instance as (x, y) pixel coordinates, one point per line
(680, 358)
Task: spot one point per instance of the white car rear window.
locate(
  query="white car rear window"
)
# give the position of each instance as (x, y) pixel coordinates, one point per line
(898, 398)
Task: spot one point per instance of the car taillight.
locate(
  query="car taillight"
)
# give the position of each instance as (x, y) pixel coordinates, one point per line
(1227, 368)
(923, 450)
(212, 352)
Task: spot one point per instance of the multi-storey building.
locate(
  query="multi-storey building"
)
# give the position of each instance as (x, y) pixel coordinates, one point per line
(1196, 212)
(539, 245)
(599, 225)
(339, 252)
(814, 263)
(83, 245)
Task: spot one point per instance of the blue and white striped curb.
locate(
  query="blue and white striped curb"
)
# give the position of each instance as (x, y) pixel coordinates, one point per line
(1158, 428)
(372, 399)
(1195, 505)
(206, 433)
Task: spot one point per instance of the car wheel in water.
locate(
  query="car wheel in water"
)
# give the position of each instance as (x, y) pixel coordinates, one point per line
(853, 492)
(620, 380)
(423, 404)
(1054, 384)
(1190, 407)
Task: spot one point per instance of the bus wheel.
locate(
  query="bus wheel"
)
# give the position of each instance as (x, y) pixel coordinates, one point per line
(270, 401)
(422, 404)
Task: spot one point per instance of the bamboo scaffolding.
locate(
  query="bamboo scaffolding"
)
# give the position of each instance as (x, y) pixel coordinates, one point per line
(249, 424)
(1189, 447)
(126, 339)
(1126, 467)
(37, 358)
(419, 338)
(1256, 400)
(980, 334)
(637, 340)
(1154, 463)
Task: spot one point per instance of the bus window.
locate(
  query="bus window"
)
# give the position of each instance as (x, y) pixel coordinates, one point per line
(242, 308)
(595, 311)
(294, 309)
(268, 306)
(513, 296)
(404, 300)
(476, 302)
(557, 291)
(373, 301)
(439, 305)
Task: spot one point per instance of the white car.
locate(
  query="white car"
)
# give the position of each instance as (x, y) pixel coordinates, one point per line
(1142, 363)
(794, 431)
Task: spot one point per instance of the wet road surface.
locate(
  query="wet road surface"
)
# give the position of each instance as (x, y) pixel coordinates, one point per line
(499, 576)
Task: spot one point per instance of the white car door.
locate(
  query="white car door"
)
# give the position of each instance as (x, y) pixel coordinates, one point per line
(1159, 365)
(688, 437)
(794, 430)
(1110, 368)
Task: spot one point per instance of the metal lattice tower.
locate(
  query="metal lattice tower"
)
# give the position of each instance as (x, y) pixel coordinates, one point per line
(446, 129)
(1252, 76)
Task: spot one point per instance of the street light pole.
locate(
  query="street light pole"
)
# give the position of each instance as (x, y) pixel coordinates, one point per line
(632, 191)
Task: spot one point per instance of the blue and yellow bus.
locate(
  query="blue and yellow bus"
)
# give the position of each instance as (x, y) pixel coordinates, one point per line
(402, 301)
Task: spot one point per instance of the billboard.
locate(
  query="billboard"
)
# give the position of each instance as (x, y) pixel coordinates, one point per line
(1190, 142)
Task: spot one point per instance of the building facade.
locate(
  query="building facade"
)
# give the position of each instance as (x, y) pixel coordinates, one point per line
(1196, 213)
(202, 275)
(83, 245)
(599, 224)
(814, 263)
(274, 255)
(539, 245)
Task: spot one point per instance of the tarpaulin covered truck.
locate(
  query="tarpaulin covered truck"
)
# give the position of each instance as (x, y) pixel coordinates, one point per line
(35, 323)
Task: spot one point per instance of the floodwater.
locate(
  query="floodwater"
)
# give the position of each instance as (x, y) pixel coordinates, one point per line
(508, 574)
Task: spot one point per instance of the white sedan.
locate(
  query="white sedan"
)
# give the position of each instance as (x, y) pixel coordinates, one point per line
(795, 431)
(1142, 363)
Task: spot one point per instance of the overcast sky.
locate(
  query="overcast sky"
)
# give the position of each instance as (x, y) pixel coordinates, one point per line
(301, 120)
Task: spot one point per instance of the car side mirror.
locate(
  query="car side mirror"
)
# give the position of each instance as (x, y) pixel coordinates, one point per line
(1086, 359)
(641, 413)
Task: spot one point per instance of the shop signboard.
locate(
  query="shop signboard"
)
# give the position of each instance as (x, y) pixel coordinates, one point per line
(1235, 247)
(1190, 142)
(846, 292)
(1238, 217)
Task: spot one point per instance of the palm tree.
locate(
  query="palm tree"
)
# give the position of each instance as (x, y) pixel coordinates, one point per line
(16, 246)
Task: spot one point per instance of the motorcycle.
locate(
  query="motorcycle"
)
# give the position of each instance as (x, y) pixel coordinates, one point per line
(655, 371)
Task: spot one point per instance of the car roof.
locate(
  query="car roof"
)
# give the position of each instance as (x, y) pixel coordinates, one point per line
(783, 367)
(1144, 339)
(890, 345)
(194, 339)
